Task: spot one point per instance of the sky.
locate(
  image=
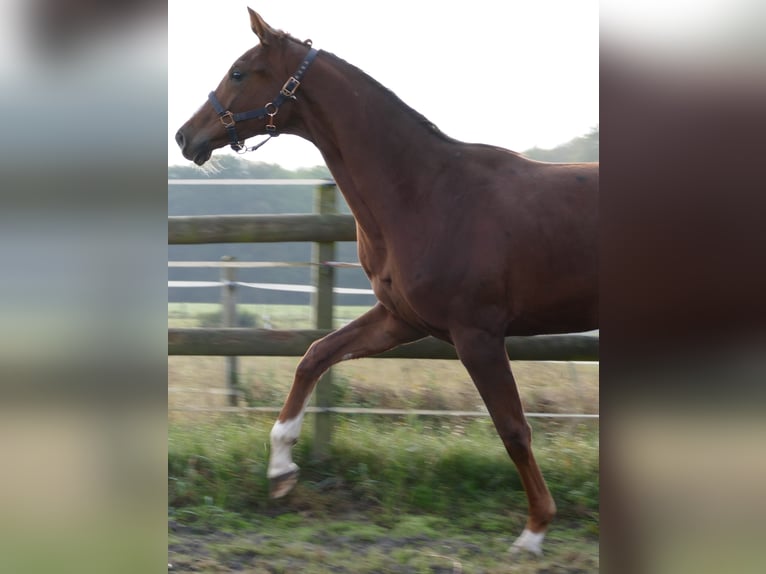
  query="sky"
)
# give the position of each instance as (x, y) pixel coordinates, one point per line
(512, 74)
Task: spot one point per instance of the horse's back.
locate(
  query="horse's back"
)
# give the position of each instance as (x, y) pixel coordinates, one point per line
(534, 226)
(531, 200)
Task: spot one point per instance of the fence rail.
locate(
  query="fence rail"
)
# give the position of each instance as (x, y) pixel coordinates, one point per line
(191, 230)
(294, 343)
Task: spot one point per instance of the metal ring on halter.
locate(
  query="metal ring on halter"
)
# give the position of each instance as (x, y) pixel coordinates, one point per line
(270, 127)
(268, 113)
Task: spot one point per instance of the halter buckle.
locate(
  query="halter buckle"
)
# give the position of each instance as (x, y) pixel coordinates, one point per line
(288, 90)
(227, 119)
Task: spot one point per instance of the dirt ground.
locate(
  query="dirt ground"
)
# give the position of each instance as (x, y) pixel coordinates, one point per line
(355, 545)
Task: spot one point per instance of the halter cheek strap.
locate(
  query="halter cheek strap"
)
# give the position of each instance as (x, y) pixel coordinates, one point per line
(229, 119)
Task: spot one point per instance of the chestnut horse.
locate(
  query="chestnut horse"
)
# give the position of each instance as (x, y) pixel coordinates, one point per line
(466, 242)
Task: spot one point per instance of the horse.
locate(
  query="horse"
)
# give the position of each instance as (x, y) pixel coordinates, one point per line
(465, 242)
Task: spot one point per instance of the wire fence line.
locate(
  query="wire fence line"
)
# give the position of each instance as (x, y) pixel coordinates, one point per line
(284, 287)
(251, 182)
(351, 410)
(377, 411)
(262, 264)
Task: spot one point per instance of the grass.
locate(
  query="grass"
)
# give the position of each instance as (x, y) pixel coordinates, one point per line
(267, 315)
(398, 466)
(397, 494)
(405, 496)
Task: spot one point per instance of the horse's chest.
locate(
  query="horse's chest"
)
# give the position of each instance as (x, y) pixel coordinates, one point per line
(392, 293)
(396, 286)
(385, 291)
(386, 282)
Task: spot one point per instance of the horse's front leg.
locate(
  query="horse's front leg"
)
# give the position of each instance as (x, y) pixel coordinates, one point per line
(372, 333)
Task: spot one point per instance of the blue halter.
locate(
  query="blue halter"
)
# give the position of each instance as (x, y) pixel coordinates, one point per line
(229, 119)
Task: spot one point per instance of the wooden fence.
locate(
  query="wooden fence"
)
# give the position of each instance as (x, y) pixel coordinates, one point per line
(323, 229)
(234, 342)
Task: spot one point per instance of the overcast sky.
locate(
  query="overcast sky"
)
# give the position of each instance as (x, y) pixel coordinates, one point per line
(513, 74)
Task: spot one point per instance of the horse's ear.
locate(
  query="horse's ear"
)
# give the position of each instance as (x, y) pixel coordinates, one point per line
(264, 32)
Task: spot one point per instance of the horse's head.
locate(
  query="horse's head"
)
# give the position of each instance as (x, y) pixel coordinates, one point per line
(249, 99)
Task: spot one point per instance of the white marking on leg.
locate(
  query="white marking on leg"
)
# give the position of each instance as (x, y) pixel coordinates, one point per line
(283, 437)
(347, 356)
(530, 541)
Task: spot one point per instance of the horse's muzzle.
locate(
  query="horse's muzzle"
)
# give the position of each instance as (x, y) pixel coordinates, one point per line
(198, 154)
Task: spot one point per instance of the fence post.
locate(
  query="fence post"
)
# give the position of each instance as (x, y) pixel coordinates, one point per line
(322, 304)
(229, 307)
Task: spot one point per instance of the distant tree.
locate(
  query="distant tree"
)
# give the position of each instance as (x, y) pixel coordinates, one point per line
(582, 148)
(234, 167)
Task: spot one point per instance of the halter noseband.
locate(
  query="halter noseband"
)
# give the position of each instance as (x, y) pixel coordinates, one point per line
(229, 119)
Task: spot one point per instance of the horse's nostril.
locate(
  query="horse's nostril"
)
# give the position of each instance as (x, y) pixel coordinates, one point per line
(180, 140)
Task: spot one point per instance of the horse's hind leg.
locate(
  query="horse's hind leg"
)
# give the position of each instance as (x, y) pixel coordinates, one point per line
(372, 333)
(486, 360)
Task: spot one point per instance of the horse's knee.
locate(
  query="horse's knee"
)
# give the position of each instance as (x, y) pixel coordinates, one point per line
(303, 370)
(310, 364)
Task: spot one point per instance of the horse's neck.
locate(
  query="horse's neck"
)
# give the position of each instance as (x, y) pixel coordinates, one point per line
(373, 144)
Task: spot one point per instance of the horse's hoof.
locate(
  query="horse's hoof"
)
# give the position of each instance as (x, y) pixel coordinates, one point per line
(529, 541)
(282, 484)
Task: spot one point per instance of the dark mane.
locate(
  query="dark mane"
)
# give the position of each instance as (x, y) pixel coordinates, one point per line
(389, 93)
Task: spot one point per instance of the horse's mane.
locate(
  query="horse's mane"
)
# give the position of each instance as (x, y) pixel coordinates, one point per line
(388, 92)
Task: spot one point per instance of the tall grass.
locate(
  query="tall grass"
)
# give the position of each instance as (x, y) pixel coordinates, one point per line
(456, 469)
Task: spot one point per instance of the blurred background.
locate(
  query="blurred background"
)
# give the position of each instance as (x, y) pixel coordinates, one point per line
(682, 310)
(82, 287)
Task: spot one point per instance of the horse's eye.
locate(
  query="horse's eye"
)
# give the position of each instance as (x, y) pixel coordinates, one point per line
(236, 75)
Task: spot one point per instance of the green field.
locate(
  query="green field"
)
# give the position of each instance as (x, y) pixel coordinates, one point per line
(398, 494)
(271, 316)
